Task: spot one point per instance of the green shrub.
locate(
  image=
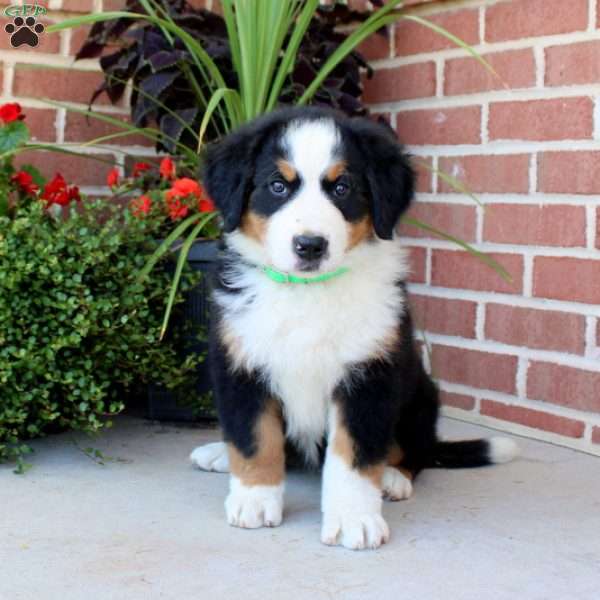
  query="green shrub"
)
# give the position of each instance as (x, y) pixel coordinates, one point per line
(77, 332)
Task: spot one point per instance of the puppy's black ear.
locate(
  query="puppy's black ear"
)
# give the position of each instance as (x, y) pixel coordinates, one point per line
(227, 174)
(389, 175)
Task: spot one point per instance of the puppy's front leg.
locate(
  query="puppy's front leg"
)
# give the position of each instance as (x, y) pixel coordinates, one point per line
(257, 475)
(351, 501)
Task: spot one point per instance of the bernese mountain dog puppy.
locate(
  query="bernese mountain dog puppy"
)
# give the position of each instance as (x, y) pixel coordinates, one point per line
(311, 341)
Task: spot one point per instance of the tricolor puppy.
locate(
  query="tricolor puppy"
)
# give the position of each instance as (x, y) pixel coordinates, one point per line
(312, 342)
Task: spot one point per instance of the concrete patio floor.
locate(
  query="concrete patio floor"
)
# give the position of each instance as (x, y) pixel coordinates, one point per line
(148, 525)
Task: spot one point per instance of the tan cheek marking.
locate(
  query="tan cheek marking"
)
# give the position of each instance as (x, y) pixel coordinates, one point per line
(254, 226)
(343, 446)
(359, 232)
(335, 170)
(267, 465)
(287, 170)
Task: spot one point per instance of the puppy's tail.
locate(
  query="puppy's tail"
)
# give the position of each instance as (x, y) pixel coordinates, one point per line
(473, 453)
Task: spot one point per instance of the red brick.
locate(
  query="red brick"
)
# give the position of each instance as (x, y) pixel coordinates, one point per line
(458, 220)
(566, 278)
(498, 173)
(376, 46)
(596, 435)
(458, 269)
(424, 175)
(457, 400)
(573, 64)
(48, 42)
(517, 19)
(78, 37)
(39, 82)
(78, 170)
(542, 120)
(566, 386)
(478, 369)
(401, 83)
(41, 123)
(545, 329)
(597, 230)
(569, 172)
(440, 126)
(515, 69)
(109, 5)
(80, 128)
(418, 261)
(414, 38)
(445, 316)
(549, 225)
(82, 6)
(533, 418)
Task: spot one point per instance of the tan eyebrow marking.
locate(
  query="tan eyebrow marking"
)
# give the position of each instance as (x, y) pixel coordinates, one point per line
(335, 170)
(287, 170)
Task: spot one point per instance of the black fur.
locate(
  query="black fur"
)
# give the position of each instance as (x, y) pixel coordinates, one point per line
(382, 401)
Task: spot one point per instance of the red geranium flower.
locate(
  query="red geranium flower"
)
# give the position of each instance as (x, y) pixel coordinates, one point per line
(112, 179)
(177, 209)
(141, 206)
(167, 168)
(11, 112)
(58, 192)
(184, 187)
(139, 168)
(24, 182)
(205, 204)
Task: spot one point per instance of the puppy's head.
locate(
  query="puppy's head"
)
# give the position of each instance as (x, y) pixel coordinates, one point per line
(300, 188)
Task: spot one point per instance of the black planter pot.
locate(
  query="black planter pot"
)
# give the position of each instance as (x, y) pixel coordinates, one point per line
(162, 403)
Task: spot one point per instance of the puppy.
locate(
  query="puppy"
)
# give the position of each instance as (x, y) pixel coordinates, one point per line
(311, 341)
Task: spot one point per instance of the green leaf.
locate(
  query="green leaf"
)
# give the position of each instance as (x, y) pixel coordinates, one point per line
(183, 253)
(13, 136)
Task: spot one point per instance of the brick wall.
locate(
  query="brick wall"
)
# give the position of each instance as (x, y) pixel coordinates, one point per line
(522, 356)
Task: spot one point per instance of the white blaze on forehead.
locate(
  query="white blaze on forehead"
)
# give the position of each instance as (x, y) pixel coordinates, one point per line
(311, 146)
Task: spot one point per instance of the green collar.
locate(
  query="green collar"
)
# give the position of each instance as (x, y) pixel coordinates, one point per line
(281, 277)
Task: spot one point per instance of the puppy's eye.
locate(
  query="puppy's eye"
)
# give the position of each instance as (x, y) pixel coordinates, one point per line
(278, 188)
(341, 189)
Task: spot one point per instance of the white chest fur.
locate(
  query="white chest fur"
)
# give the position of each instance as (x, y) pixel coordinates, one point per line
(303, 338)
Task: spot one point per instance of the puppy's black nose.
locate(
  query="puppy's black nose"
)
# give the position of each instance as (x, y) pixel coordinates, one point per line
(310, 247)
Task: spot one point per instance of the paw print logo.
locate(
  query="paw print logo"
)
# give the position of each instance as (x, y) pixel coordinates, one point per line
(24, 31)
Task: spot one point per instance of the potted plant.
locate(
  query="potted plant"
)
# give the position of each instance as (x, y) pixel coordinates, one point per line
(195, 75)
(164, 195)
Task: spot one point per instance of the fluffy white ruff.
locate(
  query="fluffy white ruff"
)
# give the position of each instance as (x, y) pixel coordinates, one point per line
(304, 339)
(396, 486)
(351, 504)
(211, 457)
(502, 450)
(255, 506)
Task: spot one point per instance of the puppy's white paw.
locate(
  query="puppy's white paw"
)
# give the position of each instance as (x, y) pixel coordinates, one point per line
(254, 506)
(211, 457)
(396, 486)
(354, 531)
